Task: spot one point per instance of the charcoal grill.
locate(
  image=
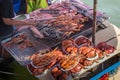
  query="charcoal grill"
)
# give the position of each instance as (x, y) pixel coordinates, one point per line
(55, 37)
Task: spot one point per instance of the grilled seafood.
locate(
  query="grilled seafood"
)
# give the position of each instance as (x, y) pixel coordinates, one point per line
(46, 60)
(76, 68)
(81, 40)
(91, 53)
(16, 40)
(57, 53)
(35, 56)
(35, 71)
(67, 42)
(56, 72)
(100, 54)
(84, 50)
(21, 41)
(26, 43)
(63, 76)
(105, 47)
(69, 62)
(88, 62)
(43, 60)
(67, 21)
(69, 47)
(72, 50)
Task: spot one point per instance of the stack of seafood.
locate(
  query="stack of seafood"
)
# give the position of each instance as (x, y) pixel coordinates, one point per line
(88, 54)
(76, 54)
(108, 49)
(21, 41)
(42, 62)
(58, 8)
(71, 46)
(68, 62)
(64, 25)
(60, 19)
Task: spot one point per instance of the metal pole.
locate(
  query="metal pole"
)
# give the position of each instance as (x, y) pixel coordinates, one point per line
(94, 21)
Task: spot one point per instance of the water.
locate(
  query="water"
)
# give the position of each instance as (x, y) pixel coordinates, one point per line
(110, 7)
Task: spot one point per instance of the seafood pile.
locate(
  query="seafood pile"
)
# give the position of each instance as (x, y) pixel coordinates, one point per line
(71, 58)
(62, 19)
(21, 41)
(35, 71)
(63, 25)
(60, 22)
(105, 47)
(82, 46)
(51, 33)
(44, 61)
(69, 47)
(50, 12)
(68, 62)
(58, 74)
(81, 40)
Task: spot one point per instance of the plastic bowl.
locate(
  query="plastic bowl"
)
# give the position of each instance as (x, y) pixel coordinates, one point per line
(70, 67)
(82, 41)
(35, 66)
(30, 68)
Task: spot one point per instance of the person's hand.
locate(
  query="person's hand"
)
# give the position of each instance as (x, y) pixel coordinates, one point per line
(31, 22)
(36, 33)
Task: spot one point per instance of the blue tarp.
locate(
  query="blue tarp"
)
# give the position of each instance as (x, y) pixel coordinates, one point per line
(106, 71)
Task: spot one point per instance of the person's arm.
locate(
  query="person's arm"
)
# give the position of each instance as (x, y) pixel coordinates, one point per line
(7, 14)
(10, 21)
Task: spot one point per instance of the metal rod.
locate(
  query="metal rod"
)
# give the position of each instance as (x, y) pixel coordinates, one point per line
(94, 21)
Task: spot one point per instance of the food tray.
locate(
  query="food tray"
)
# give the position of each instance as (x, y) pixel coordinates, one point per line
(22, 56)
(95, 64)
(71, 67)
(49, 62)
(86, 42)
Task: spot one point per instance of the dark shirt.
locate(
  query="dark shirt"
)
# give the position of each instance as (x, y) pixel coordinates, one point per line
(6, 11)
(23, 7)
